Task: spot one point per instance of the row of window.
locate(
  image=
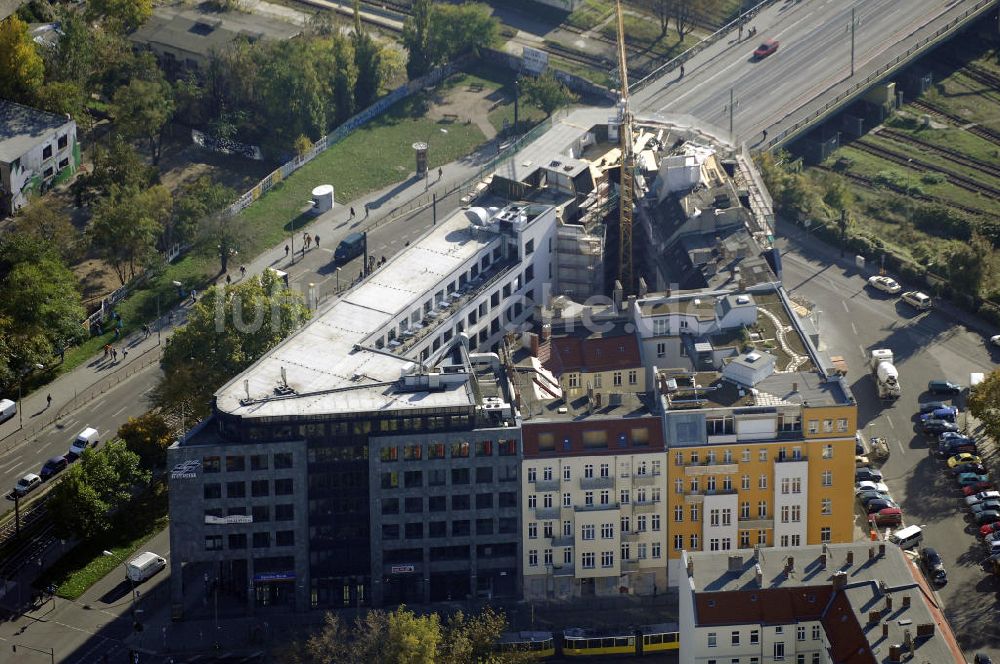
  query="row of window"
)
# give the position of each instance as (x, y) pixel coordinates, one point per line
(712, 456)
(588, 560)
(642, 497)
(258, 540)
(596, 439)
(642, 469)
(258, 489)
(736, 635)
(258, 513)
(459, 502)
(723, 543)
(616, 379)
(62, 142)
(459, 528)
(788, 485)
(589, 531)
(323, 431)
(723, 517)
(238, 463)
(779, 654)
(438, 477)
(457, 450)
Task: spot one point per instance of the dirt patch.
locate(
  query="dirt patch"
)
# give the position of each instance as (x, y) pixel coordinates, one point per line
(183, 162)
(97, 279)
(469, 102)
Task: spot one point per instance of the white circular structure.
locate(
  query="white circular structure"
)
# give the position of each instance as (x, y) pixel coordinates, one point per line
(322, 198)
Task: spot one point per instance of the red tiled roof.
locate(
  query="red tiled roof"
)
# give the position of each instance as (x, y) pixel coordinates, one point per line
(768, 605)
(848, 644)
(593, 354)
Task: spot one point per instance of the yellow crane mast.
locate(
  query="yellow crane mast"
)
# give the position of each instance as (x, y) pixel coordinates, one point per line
(628, 166)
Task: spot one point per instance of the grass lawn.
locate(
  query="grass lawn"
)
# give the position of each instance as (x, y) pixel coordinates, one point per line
(86, 563)
(590, 13)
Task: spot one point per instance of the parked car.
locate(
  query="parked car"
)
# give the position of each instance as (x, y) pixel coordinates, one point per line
(952, 446)
(867, 475)
(868, 496)
(976, 488)
(989, 528)
(964, 457)
(985, 506)
(918, 300)
(977, 468)
(955, 435)
(992, 547)
(930, 406)
(859, 443)
(982, 658)
(27, 484)
(884, 284)
(965, 479)
(934, 427)
(995, 340)
(53, 466)
(890, 516)
(875, 506)
(943, 387)
(871, 486)
(933, 566)
(948, 414)
(766, 48)
(981, 496)
(989, 516)
(86, 438)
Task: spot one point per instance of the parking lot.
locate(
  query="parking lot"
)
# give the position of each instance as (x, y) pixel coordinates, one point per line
(930, 345)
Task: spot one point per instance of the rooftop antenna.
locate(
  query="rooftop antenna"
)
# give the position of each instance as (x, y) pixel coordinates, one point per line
(284, 379)
(246, 388)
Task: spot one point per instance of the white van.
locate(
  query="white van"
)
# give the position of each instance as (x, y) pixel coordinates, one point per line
(8, 409)
(143, 566)
(918, 300)
(908, 537)
(86, 438)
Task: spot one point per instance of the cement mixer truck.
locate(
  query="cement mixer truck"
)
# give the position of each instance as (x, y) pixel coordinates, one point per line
(885, 374)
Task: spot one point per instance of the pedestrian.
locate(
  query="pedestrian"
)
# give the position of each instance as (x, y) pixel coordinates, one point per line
(286, 251)
(124, 354)
(48, 400)
(114, 354)
(107, 350)
(765, 136)
(194, 296)
(229, 280)
(316, 240)
(682, 71)
(243, 271)
(383, 259)
(118, 333)
(305, 239)
(352, 213)
(440, 172)
(62, 354)
(366, 210)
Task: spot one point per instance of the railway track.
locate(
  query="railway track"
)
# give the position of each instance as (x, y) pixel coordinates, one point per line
(945, 153)
(985, 133)
(957, 179)
(29, 516)
(869, 183)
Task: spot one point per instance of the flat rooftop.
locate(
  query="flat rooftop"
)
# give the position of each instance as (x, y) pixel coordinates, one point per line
(188, 29)
(22, 127)
(555, 143)
(728, 592)
(708, 389)
(324, 369)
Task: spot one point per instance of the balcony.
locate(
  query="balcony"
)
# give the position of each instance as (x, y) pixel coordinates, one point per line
(563, 541)
(630, 565)
(644, 479)
(720, 492)
(711, 469)
(631, 536)
(595, 507)
(597, 482)
(546, 486)
(563, 570)
(790, 457)
(644, 506)
(547, 513)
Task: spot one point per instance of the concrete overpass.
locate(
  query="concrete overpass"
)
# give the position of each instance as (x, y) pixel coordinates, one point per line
(809, 77)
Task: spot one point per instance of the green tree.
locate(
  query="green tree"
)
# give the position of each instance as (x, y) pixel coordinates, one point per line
(472, 638)
(141, 110)
(228, 330)
(117, 165)
(76, 508)
(195, 205)
(546, 92)
(345, 79)
(416, 35)
(50, 225)
(41, 309)
(21, 68)
(967, 263)
(64, 98)
(367, 62)
(293, 96)
(127, 226)
(459, 29)
(123, 16)
(984, 404)
(148, 436)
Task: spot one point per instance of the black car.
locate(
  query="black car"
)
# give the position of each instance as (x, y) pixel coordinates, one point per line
(931, 561)
(943, 387)
(977, 468)
(949, 447)
(992, 505)
(878, 505)
(989, 516)
(937, 426)
(982, 658)
(866, 497)
(867, 475)
(53, 466)
(931, 406)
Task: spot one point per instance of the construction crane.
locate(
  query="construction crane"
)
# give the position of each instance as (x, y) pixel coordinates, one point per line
(626, 194)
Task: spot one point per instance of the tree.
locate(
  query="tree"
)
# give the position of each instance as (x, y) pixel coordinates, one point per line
(76, 508)
(64, 98)
(663, 10)
(50, 225)
(345, 79)
(415, 38)
(142, 108)
(471, 638)
(459, 29)
(195, 206)
(228, 330)
(123, 16)
(293, 95)
(984, 404)
(966, 264)
(148, 436)
(21, 68)
(546, 92)
(367, 62)
(116, 166)
(683, 15)
(127, 226)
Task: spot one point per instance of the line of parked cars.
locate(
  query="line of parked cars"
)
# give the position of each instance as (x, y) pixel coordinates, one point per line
(873, 495)
(89, 437)
(916, 299)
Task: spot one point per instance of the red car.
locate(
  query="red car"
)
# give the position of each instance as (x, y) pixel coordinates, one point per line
(989, 528)
(768, 47)
(976, 488)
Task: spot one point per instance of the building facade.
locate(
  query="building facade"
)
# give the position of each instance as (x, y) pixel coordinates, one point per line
(37, 149)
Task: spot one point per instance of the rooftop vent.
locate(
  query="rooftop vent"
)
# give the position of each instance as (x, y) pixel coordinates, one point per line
(742, 299)
(752, 357)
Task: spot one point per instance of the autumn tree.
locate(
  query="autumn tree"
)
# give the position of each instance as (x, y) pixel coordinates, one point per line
(21, 67)
(148, 436)
(227, 331)
(50, 225)
(984, 404)
(546, 92)
(141, 110)
(123, 16)
(459, 29)
(127, 227)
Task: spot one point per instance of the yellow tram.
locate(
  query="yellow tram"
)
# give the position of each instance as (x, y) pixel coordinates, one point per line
(577, 642)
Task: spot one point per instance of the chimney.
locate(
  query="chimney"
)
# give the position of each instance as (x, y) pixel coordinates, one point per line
(874, 617)
(895, 653)
(759, 574)
(839, 580)
(631, 302)
(881, 550)
(546, 331)
(795, 387)
(533, 340)
(617, 295)
(790, 565)
(850, 557)
(690, 566)
(643, 288)
(908, 640)
(888, 602)
(925, 630)
(735, 563)
(885, 630)
(906, 601)
(822, 560)
(871, 553)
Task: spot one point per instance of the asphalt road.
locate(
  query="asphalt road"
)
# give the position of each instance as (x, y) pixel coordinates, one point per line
(814, 54)
(928, 345)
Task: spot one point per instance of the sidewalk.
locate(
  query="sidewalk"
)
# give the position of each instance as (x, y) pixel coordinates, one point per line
(89, 380)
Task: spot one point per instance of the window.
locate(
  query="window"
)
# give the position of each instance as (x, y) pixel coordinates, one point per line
(655, 522)
(786, 483)
(213, 542)
(283, 487)
(827, 478)
(745, 509)
(484, 475)
(779, 648)
(695, 485)
(211, 464)
(566, 473)
(694, 542)
(459, 475)
(842, 424)
(694, 512)
(713, 517)
(484, 448)
(735, 638)
(824, 534)
(616, 378)
(826, 506)
(587, 560)
(460, 502)
(235, 464)
(607, 531)
(679, 485)
(640, 523)
(258, 462)
(460, 528)
(485, 527)
(762, 454)
(484, 501)
(695, 457)
(800, 633)
(567, 530)
(588, 498)
(529, 247)
(678, 513)
(754, 637)
(713, 544)
(587, 532)
(415, 478)
(437, 529)
(661, 349)
(605, 497)
(679, 459)
(283, 460)
(508, 447)
(784, 513)
(655, 548)
(796, 485)
(796, 513)
(533, 558)
(414, 505)
(744, 539)
(285, 512)
(745, 482)
(712, 640)
(813, 426)
(46, 153)
(436, 504)
(828, 451)
(633, 377)
(236, 489)
(762, 509)
(588, 471)
(607, 559)
(574, 380)
(259, 488)
(63, 141)
(727, 483)
(284, 538)
(605, 470)
(567, 500)
(762, 537)
(762, 482)
(532, 531)
(260, 513)
(815, 632)
(261, 540)
(567, 556)
(238, 541)
(678, 542)
(710, 483)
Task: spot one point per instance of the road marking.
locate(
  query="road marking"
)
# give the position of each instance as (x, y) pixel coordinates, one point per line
(12, 470)
(98, 403)
(844, 302)
(889, 420)
(119, 411)
(11, 463)
(864, 353)
(854, 327)
(901, 450)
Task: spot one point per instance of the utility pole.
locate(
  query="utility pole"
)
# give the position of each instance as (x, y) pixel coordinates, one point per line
(732, 108)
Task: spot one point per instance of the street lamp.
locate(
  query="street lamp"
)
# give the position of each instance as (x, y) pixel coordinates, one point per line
(337, 271)
(131, 581)
(20, 382)
(51, 652)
